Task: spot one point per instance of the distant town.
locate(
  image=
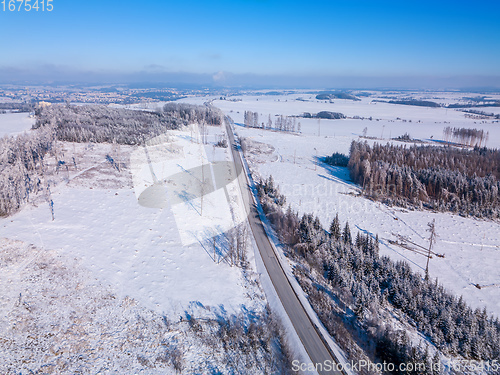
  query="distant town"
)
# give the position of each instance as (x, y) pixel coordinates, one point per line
(118, 94)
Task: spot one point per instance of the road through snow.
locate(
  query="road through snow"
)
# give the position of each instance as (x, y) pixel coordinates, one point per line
(318, 350)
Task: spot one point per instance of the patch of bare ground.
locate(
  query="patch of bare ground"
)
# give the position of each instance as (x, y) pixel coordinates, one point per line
(91, 165)
(258, 152)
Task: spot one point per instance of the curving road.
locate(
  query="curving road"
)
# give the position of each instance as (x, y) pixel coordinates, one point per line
(318, 350)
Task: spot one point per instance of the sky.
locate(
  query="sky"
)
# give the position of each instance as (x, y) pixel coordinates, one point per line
(245, 41)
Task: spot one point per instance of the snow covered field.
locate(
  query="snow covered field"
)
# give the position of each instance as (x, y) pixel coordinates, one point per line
(56, 318)
(110, 250)
(15, 123)
(137, 250)
(200, 186)
(471, 246)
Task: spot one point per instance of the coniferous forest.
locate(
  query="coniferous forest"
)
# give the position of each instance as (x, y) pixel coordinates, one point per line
(463, 181)
(98, 123)
(353, 289)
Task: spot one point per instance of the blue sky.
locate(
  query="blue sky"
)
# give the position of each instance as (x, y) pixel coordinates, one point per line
(354, 38)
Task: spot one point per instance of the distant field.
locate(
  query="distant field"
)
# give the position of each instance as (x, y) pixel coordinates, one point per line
(387, 120)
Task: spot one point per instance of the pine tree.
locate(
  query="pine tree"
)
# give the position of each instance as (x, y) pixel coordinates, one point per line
(359, 241)
(335, 227)
(346, 234)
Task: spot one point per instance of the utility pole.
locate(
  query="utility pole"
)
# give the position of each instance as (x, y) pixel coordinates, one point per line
(432, 239)
(316, 161)
(202, 186)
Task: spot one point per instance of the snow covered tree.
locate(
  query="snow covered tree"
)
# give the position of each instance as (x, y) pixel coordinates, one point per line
(335, 227)
(255, 120)
(346, 234)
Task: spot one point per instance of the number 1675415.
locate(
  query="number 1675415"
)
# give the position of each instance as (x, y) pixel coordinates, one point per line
(26, 5)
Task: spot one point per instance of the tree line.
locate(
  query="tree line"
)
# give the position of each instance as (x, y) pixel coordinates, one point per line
(481, 114)
(325, 115)
(190, 113)
(469, 105)
(17, 107)
(441, 178)
(415, 102)
(351, 288)
(280, 123)
(466, 136)
(329, 95)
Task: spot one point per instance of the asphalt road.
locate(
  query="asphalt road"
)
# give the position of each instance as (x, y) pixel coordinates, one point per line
(313, 342)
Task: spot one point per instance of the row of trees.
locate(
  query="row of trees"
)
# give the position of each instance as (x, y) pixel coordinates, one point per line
(489, 103)
(281, 123)
(442, 178)
(474, 113)
(415, 102)
(251, 119)
(18, 107)
(348, 281)
(469, 137)
(329, 95)
(325, 115)
(284, 124)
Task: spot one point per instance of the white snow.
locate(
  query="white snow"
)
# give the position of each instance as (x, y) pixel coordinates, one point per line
(142, 252)
(56, 318)
(196, 185)
(15, 123)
